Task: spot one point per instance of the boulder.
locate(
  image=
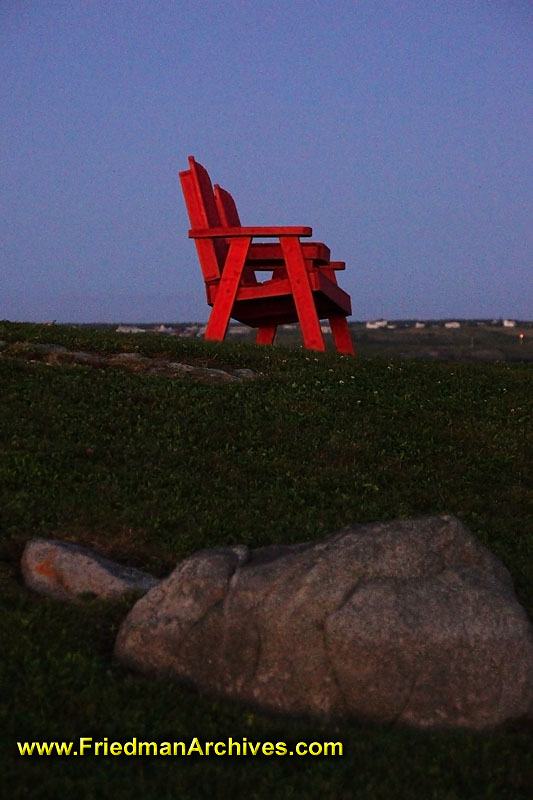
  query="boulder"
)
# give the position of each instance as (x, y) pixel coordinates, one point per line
(247, 374)
(64, 571)
(203, 372)
(411, 621)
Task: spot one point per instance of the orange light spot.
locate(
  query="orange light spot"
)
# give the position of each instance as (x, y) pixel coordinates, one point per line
(46, 567)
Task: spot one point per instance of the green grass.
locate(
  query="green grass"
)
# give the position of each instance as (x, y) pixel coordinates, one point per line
(315, 442)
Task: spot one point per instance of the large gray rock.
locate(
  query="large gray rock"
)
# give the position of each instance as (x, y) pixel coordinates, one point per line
(64, 571)
(411, 621)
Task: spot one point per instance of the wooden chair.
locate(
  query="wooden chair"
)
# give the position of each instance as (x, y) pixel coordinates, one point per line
(303, 286)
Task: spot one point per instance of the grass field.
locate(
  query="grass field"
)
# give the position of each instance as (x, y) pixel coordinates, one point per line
(315, 442)
(470, 342)
(473, 341)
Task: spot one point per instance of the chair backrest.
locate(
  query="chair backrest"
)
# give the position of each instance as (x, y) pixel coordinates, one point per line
(229, 216)
(227, 209)
(203, 213)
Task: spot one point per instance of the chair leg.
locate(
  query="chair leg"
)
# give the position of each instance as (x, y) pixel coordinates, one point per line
(266, 334)
(341, 335)
(229, 283)
(301, 290)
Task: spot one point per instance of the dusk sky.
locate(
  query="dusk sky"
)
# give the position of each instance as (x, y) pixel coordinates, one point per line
(399, 130)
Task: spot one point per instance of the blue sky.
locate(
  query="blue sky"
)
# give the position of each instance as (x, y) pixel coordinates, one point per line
(400, 130)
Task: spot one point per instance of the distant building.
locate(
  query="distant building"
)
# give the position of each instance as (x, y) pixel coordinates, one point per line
(240, 330)
(325, 327)
(420, 324)
(378, 323)
(509, 323)
(452, 324)
(129, 329)
(189, 332)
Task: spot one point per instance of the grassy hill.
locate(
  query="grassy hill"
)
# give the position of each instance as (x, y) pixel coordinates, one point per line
(148, 469)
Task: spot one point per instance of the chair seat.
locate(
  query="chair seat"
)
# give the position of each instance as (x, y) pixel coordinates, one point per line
(272, 302)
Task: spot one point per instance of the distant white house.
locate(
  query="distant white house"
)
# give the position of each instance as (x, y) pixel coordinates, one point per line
(378, 323)
(239, 330)
(420, 324)
(189, 332)
(452, 324)
(129, 329)
(509, 323)
(164, 329)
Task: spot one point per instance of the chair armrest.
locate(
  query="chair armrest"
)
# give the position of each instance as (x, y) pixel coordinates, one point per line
(265, 233)
(333, 265)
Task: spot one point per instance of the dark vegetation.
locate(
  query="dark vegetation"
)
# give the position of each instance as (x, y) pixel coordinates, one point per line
(473, 341)
(147, 470)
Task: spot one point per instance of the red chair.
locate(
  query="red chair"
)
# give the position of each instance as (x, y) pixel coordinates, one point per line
(303, 287)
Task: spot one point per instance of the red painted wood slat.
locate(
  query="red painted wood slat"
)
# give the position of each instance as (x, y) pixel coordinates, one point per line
(301, 291)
